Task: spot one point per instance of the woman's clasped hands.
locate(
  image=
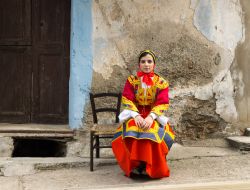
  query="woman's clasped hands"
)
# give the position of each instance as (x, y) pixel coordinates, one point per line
(142, 123)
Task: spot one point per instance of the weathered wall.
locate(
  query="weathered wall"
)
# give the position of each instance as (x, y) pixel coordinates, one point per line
(241, 70)
(195, 43)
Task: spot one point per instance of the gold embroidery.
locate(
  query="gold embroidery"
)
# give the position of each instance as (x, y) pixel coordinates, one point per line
(128, 104)
(145, 97)
(159, 110)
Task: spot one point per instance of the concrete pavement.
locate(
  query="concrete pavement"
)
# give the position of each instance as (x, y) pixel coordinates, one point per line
(191, 168)
(225, 185)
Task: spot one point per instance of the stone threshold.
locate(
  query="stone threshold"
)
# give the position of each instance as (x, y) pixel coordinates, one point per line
(35, 130)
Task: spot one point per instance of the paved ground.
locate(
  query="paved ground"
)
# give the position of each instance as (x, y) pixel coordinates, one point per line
(191, 168)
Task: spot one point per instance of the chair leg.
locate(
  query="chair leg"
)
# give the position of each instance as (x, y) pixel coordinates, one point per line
(97, 147)
(91, 151)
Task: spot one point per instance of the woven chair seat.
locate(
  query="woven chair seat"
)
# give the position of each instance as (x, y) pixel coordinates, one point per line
(104, 129)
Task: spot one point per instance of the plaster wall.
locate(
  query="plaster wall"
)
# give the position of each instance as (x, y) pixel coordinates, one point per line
(241, 70)
(195, 44)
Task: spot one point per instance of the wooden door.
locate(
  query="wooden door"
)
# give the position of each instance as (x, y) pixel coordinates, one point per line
(15, 60)
(34, 61)
(51, 60)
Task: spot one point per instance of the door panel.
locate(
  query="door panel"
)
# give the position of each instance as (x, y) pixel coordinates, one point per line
(51, 17)
(15, 82)
(15, 22)
(51, 103)
(51, 28)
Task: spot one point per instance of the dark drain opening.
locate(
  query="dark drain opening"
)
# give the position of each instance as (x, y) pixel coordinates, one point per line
(38, 148)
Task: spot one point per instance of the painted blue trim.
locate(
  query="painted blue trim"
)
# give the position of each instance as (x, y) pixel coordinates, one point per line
(80, 60)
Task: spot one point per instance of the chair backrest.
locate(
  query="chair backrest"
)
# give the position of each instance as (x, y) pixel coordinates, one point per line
(106, 108)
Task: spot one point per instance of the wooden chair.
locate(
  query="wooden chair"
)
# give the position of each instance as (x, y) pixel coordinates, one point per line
(102, 131)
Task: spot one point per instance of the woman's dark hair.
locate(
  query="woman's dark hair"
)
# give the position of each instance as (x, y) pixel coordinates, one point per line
(146, 52)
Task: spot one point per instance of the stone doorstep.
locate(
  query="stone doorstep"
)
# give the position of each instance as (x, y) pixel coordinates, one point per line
(38, 135)
(247, 132)
(240, 142)
(26, 166)
(35, 130)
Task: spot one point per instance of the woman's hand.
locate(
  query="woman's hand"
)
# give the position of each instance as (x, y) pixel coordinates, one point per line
(139, 121)
(148, 122)
(142, 123)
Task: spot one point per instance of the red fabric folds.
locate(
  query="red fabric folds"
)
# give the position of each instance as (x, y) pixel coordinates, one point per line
(129, 152)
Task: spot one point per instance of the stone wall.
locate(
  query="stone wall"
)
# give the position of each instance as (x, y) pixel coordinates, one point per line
(195, 43)
(6, 146)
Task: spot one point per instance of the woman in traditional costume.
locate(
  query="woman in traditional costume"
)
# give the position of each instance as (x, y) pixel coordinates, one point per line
(145, 137)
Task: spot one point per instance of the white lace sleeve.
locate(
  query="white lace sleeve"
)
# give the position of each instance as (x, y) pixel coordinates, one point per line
(163, 120)
(126, 114)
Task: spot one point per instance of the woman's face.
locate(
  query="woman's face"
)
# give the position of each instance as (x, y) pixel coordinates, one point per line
(147, 64)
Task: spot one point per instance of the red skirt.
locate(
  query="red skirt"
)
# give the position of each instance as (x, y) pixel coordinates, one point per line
(131, 146)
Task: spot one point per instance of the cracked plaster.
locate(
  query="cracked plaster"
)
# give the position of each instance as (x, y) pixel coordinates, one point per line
(221, 22)
(194, 56)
